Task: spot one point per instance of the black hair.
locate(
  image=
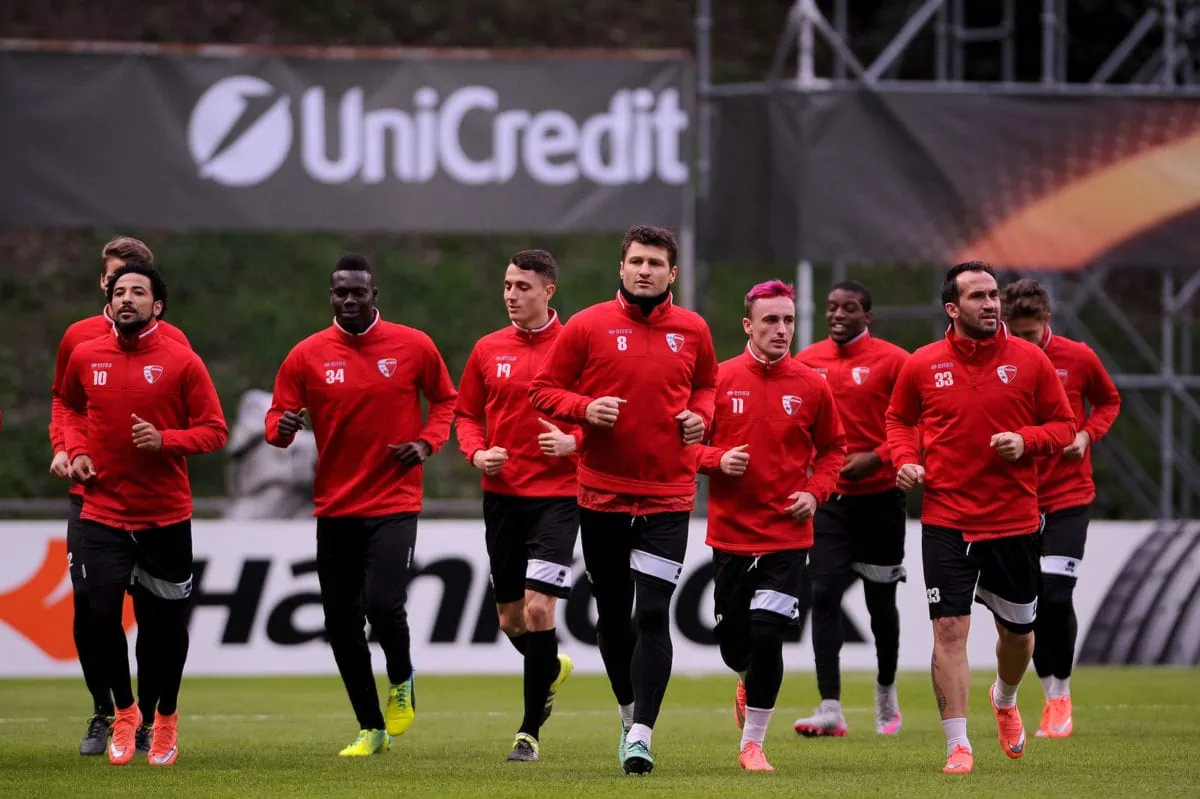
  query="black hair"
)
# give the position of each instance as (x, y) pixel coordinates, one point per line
(854, 287)
(652, 236)
(950, 284)
(539, 262)
(158, 285)
(352, 262)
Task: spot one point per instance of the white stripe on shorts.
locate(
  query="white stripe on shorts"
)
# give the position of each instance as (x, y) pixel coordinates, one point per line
(544, 571)
(1060, 564)
(880, 574)
(776, 602)
(164, 589)
(1009, 611)
(655, 566)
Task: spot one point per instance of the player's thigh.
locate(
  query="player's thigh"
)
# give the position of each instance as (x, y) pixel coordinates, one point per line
(778, 578)
(504, 536)
(1009, 580)
(607, 541)
(390, 544)
(552, 526)
(165, 560)
(341, 560)
(950, 572)
(831, 556)
(877, 535)
(732, 593)
(75, 544)
(107, 557)
(659, 547)
(1064, 538)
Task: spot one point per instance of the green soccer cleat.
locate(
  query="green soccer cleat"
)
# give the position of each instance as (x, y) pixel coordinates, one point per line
(638, 759)
(621, 747)
(368, 742)
(401, 706)
(524, 750)
(565, 665)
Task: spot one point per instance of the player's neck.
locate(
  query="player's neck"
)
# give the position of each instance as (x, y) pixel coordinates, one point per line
(761, 357)
(537, 323)
(647, 304)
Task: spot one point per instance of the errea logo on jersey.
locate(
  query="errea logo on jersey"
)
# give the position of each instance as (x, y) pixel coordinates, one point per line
(242, 130)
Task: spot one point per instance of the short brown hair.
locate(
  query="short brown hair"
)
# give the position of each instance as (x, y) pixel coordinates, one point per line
(1026, 299)
(652, 236)
(539, 262)
(127, 248)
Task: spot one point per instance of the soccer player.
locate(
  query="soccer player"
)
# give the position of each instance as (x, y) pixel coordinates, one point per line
(114, 255)
(987, 403)
(638, 373)
(530, 512)
(139, 403)
(860, 529)
(359, 382)
(774, 420)
(1065, 491)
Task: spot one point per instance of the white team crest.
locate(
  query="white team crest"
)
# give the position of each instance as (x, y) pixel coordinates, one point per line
(675, 341)
(1007, 373)
(860, 374)
(387, 366)
(152, 373)
(1062, 374)
(791, 403)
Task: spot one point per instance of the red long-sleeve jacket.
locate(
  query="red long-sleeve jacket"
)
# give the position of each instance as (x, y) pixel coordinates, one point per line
(363, 394)
(81, 331)
(785, 413)
(962, 392)
(660, 365)
(493, 409)
(861, 375)
(1065, 483)
(110, 379)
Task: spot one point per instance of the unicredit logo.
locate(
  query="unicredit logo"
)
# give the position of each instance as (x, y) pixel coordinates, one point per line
(242, 131)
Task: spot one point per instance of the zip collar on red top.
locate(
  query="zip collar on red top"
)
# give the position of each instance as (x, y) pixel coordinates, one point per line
(357, 338)
(107, 314)
(534, 332)
(1047, 337)
(635, 313)
(138, 341)
(854, 346)
(976, 350)
(760, 365)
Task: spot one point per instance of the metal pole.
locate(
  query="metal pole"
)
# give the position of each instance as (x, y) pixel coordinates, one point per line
(1049, 34)
(703, 140)
(804, 305)
(841, 22)
(805, 71)
(1008, 58)
(941, 44)
(1170, 37)
(1166, 502)
(1188, 421)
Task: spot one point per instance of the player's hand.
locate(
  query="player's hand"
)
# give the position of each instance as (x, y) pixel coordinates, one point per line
(860, 464)
(603, 412)
(1074, 452)
(1009, 446)
(909, 476)
(145, 436)
(490, 461)
(555, 442)
(60, 466)
(735, 461)
(82, 469)
(410, 453)
(291, 422)
(804, 505)
(691, 427)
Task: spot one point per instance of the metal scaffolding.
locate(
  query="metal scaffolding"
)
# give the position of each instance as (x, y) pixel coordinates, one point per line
(1160, 55)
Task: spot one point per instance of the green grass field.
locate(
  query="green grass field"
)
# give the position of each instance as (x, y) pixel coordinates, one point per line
(1137, 733)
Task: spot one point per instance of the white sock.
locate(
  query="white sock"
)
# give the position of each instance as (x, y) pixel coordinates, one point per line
(886, 690)
(1062, 686)
(1006, 695)
(1049, 686)
(956, 733)
(832, 704)
(639, 732)
(755, 730)
(626, 714)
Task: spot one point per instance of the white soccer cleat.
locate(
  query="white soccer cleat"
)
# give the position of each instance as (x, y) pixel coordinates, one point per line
(827, 719)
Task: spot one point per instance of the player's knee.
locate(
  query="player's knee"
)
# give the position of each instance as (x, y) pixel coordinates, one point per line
(951, 631)
(652, 608)
(766, 635)
(1014, 634)
(827, 593)
(539, 612)
(1057, 588)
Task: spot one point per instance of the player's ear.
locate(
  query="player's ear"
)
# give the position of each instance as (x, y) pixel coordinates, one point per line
(158, 308)
(551, 290)
(746, 325)
(674, 274)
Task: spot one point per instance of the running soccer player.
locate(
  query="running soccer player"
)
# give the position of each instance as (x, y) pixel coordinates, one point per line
(1065, 491)
(987, 403)
(530, 513)
(138, 404)
(359, 382)
(774, 423)
(860, 530)
(638, 373)
(114, 255)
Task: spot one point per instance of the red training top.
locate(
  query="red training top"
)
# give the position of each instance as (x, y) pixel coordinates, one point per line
(785, 413)
(108, 381)
(494, 410)
(660, 365)
(962, 392)
(861, 375)
(363, 394)
(1065, 483)
(79, 332)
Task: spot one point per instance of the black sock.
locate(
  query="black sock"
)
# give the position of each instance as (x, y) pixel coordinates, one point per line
(89, 660)
(171, 640)
(112, 649)
(765, 675)
(1054, 639)
(653, 653)
(885, 626)
(146, 652)
(396, 642)
(519, 642)
(1066, 652)
(827, 636)
(616, 639)
(541, 669)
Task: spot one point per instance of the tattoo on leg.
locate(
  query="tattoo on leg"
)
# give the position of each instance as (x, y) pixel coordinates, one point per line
(938, 693)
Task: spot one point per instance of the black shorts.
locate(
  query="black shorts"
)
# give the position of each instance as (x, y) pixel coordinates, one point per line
(160, 559)
(1001, 574)
(75, 544)
(765, 587)
(619, 547)
(530, 544)
(860, 535)
(1064, 536)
